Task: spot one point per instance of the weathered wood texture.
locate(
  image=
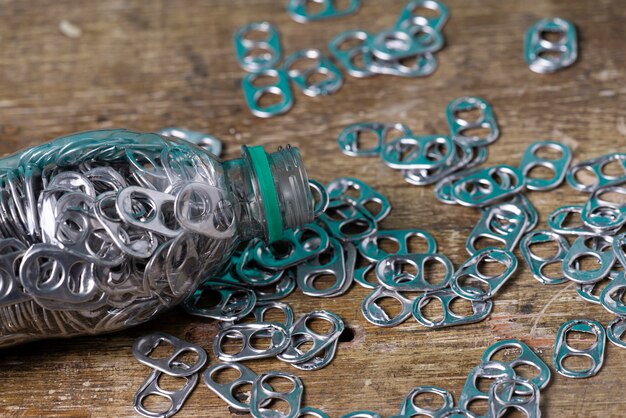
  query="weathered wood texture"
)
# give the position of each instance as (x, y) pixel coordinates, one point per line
(149, 64)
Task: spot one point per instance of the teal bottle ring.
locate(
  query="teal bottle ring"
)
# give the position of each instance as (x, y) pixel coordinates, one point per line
(261, 167)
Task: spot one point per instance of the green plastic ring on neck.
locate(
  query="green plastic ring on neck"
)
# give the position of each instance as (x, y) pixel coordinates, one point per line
(261, 167)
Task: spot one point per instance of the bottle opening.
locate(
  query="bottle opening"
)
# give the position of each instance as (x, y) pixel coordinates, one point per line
(284, 189)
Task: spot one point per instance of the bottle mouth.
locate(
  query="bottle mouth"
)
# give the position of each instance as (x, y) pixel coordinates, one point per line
(284, 189)
(293, 188)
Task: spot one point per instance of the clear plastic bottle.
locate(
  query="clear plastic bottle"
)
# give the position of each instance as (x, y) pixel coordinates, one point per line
(105, 229)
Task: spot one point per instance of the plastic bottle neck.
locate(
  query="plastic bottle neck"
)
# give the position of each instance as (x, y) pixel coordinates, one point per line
(271, 190)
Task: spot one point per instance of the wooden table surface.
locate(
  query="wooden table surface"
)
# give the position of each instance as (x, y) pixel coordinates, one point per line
(148, 64)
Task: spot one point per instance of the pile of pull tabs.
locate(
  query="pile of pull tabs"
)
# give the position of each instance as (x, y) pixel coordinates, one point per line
(82, 240)
(345, 243)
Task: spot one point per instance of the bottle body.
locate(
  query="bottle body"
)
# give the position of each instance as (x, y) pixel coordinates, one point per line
(103, 230)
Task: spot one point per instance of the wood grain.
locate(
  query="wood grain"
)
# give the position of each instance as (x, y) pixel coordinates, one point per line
(148, 64)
